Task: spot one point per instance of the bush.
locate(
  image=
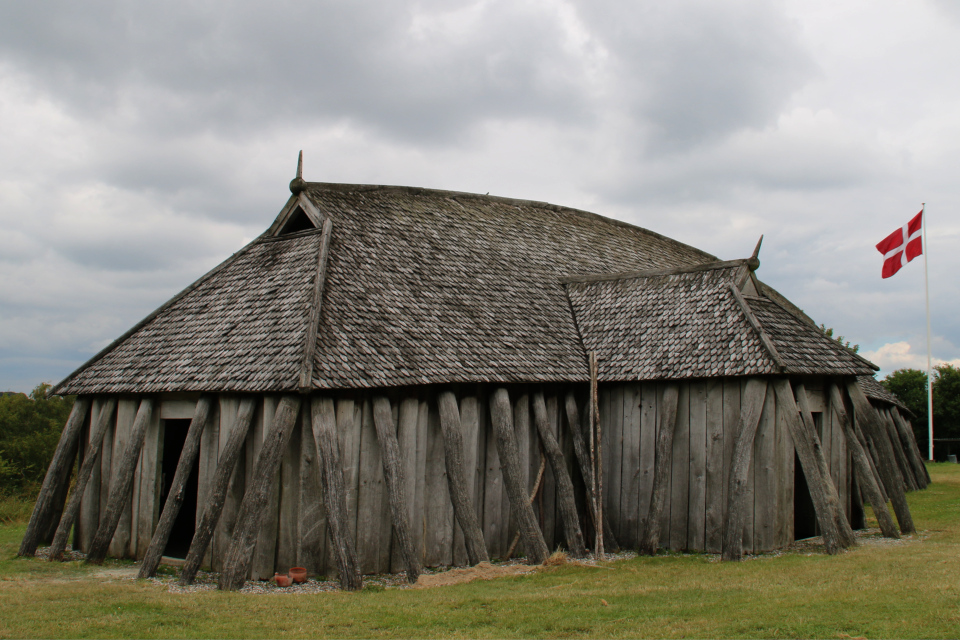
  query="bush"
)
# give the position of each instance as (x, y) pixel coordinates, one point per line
(30, 428)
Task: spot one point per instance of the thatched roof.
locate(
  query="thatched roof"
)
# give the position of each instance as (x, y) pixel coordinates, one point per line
(422, 286)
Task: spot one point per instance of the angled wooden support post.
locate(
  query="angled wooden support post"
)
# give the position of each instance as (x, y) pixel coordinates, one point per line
(751, 408)
(845, 535)
(867, 418)
(91, 459)
(501, 414)
(566, 500)
(120, 490)
(188, 456)
(236, 565)
(866, 480)
(899, 451)
(667, 417)
(57, 478)
(806, 443)
(586, 469)
(393, 473)
(324, 422)
(910, 448)
(463, 507)
(210, 516)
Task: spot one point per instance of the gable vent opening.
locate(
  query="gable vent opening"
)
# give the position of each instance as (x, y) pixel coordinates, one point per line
(298, 221)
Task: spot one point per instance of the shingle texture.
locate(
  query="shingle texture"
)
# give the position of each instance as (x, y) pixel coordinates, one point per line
(241, 328)
(876, 391)
(668, 327)
(803, 348)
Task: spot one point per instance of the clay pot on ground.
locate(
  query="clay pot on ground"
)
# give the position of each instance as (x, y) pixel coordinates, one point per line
(282, 580)
(298, 574)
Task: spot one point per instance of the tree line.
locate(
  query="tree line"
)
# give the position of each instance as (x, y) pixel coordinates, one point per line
(30, 427)
(910, 386)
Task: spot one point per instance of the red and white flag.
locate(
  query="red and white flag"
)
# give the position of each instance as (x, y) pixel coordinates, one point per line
(902, 246)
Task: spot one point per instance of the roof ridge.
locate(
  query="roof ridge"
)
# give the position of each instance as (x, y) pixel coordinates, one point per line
(649, 273)
(539, 204)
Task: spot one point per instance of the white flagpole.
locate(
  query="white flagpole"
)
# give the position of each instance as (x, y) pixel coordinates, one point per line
(926, 287)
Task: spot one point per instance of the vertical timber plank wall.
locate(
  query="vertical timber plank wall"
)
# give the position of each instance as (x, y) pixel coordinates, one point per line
(149, 491)
(731, 418)
(89, 518)
(646, 424)
(765, 478)
(229, 407)
(371, 497)
(630, 466)
(680, 474)
(715, 494)
(469, 423)
(785, 481)
(206, 465)
(438, 509)
(420, 497)
(696, 523)
(612, 419)
(106, 466)
(311, 544)
(493, 495)
(265, 554)
(120, 545)
(349, 414)
(749, 493)
(547, 506)
(287, 530)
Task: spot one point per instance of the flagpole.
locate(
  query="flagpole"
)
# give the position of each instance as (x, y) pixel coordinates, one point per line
(926, 288)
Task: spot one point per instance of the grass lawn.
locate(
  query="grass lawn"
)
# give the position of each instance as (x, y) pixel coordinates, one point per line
(878, 590)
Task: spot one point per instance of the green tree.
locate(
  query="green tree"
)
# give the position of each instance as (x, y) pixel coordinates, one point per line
(30, 428)
(910, 386)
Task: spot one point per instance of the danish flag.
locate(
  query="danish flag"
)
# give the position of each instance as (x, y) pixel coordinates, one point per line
(902, 246)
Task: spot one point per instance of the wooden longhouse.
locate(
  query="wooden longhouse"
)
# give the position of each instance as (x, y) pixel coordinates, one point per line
(390, 378)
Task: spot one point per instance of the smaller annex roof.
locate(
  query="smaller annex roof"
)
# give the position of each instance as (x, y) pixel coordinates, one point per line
(875, 391)
(696, 322)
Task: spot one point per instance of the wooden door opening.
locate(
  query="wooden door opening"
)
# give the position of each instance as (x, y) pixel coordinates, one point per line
(174, 436)
(804, 515)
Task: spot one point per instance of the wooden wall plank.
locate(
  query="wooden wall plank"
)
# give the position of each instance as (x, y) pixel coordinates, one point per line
(229, 406)
(547, 506)
(408, 409)
(749, 492)
(611, 417)
(650, 395)
(494, 495)
(126, 412)
(177, 409)
(565, 439)
(420, 499)
(521, 427)
(106, 465)
(206, 463)
(469, 423)
(765, 477)
(713, 500)
(287, 528)
(371, 495)
(438, 532)
(149, 508)
(265, 554)
(89, 518)
(731, 417)
(311, 541)
(785, 460)
(349, 418)
(680, 475)
(627, 534)
(697, 508)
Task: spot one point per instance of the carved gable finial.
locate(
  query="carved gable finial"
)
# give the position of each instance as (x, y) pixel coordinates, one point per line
(297, 184)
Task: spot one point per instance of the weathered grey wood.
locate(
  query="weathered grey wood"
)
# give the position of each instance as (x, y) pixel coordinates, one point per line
(171, 508)
(120, 489)
(596, 435)
(548, 494)
(909, 427)
(731, 419)
(749, 490)
(521, 427)
(910, 448)
(287, 529)
(91, 459)
(566, 501)
(148, 484)
(207, 456)
(750, 412)
(393, 473)
(311, 542)
(765, 478)
(349, 426)
(229, 409)
(680, 473)
(313, 316)
(371, 496)
(785, 471)
(808, 447)
(407, 441)
(263, 565)
(493, 495)
(867, 418)
(697, 508)
(89, 517)
(707, 266)
(253, 509)
(420, 498)
(866, 480)
(501, 415)
(438, 507)
(666, 419)
(757, 328)
(906, 471)
(324, 421)
(57, 477)
(229, 455)
(871, 457)
(630, 469)
(106, 470)
(583, 458)
(845, 535)
(713, 519)
(460, 490)
(645, 423)
(613, 452)
(126, 414)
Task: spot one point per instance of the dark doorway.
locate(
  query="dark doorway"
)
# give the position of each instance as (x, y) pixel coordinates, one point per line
(804, 515)
(858, 518)
(174, 436)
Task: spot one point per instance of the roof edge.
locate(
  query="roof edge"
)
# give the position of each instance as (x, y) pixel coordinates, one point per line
(751, 263)
(347, 188)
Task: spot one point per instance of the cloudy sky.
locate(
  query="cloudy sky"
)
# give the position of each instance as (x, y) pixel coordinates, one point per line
(142, 143)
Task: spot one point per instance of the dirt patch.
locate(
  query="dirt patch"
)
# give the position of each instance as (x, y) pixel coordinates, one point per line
(117, 573)
(482, 571)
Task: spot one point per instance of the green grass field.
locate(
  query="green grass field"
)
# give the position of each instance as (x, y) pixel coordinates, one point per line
(909, 589)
